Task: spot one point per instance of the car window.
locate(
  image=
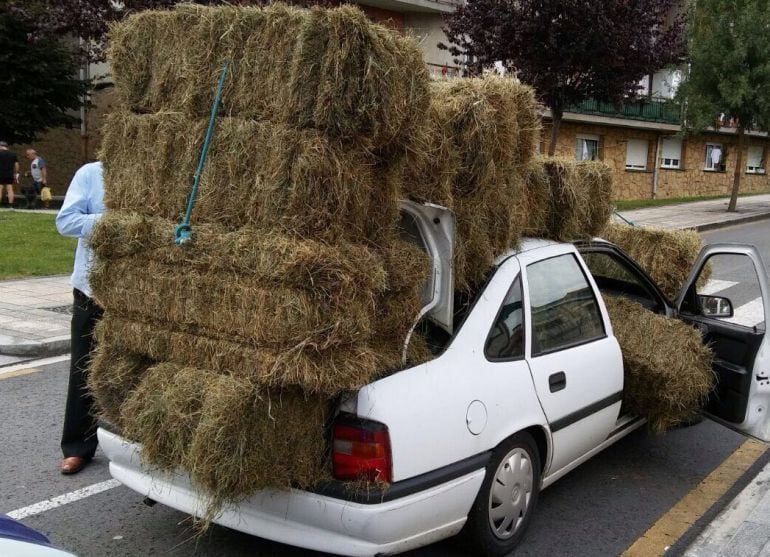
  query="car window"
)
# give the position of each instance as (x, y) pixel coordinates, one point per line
(613, 276)
(564, 310)
(506, 338)
(728, 284)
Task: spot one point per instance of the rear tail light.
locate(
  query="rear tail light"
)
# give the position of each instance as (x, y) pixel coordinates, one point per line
(361, 451)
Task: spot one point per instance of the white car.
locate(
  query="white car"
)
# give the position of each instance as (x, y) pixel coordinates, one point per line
(517, 397)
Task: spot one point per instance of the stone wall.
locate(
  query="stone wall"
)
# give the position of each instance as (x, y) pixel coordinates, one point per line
(690, 180)
(62, 148)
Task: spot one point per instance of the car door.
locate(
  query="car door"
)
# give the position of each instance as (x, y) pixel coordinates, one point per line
(726, 298)
(576, 363)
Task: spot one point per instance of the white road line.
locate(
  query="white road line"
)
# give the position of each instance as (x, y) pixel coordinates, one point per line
(33, 363)
(713, 286)
(65, 499)
(750, 314)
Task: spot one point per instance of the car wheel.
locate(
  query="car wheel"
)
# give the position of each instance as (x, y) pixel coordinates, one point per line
(507, 498)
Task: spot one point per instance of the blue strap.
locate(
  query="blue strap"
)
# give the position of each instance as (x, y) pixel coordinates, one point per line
(624, 219)
(183, 232)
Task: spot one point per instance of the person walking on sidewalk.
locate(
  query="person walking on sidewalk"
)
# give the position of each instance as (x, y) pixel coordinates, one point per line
(83, 207)
(39, 174)
(9, 172)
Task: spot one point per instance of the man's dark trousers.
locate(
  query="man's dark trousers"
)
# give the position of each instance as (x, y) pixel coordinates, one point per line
(79, 436)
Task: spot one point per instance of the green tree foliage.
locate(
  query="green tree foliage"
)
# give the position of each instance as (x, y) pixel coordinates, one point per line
(570, 50)
(39, 83)
(729, 72)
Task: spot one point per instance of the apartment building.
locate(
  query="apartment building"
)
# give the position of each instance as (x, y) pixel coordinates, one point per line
(642, 142)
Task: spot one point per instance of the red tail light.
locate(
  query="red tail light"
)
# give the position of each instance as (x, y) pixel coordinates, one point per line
(361, 451)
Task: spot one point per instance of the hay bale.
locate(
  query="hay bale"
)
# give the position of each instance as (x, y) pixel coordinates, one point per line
(229, 304)
(332, 70)
(242, 445)
(580, 198)
(256, 174)
(667, 255)
(112, 376)
(534, 203)
(163, 411)
(340, 270)
(485, 118)
(667, 368)
(301, 366)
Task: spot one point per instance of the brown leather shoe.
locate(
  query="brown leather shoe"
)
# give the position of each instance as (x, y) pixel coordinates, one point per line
(72, 464)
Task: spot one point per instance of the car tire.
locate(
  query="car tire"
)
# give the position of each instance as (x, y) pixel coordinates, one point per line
(507, 498)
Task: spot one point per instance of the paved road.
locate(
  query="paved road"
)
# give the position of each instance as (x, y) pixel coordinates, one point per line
(597, 510)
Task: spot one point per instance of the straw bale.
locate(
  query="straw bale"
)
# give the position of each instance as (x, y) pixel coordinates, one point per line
(332, 70)
(485, 118)
(232, 305)
(112, 376)
(667, 368)
(580, 200)
(341, 269)
(257, 173)
(667, 255)
(241, 443)
(328, 371)
(163, 412)
(432, 160)
(534, 204)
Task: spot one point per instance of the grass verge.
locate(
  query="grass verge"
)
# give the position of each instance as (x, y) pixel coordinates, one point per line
(627, 205)
(31, 246)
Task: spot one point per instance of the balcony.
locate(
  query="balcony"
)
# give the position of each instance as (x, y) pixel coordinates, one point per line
(663, 111)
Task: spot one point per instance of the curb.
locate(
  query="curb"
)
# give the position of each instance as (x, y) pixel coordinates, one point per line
(724, 224)
(54, 346)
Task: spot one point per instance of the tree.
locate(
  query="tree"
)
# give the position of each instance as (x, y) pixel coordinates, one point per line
(729, 70)
(569, 50)
(38, 81)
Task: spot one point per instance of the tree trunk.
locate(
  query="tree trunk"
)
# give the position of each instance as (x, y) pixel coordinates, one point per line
(738, 167)
(556, 115)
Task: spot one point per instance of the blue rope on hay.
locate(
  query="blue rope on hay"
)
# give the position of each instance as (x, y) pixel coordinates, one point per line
(183, 231)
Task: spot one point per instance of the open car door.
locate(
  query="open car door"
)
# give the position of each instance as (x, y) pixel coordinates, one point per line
(726, 298)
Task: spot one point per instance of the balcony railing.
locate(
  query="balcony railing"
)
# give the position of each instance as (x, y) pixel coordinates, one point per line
(655, 110)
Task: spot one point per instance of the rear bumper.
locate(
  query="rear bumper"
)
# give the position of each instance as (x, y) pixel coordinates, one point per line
(311, 520)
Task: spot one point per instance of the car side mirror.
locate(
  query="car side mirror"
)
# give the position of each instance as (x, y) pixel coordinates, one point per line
(715, 306)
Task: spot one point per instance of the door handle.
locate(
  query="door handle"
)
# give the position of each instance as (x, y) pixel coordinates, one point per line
(557, 381)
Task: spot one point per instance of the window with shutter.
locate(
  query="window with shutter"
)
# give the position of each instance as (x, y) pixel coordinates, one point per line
(754, 162)
(636, 154)
(672, 153)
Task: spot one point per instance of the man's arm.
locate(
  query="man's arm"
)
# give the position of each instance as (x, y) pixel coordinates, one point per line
(74, 218)
(16, 172)
(43, 172)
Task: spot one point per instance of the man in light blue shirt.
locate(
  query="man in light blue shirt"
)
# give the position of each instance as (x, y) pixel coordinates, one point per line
(82, 208)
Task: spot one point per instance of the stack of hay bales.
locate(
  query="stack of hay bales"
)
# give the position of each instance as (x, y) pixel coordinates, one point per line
(291, 291)
(476, 153)
(668, 373)
(296, 287)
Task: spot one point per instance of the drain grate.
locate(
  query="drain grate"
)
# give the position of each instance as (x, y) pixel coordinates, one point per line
(61, 309)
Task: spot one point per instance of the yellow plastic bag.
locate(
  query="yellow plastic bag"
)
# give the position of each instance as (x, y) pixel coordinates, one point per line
(45, 193)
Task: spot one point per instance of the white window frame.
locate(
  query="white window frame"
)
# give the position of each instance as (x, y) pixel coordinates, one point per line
(673, 163)
(708, 165)
(585, 138)
(631, 145)
(755, 169)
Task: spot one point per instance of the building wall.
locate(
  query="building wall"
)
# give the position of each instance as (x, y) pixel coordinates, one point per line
(62, 148)
(427, 29)
(689, 181)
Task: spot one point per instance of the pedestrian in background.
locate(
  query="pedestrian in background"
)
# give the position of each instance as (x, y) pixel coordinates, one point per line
(83, 207)
(39, 174)
(9, 172)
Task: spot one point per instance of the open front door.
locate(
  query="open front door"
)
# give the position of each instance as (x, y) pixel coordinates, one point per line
(726, 297)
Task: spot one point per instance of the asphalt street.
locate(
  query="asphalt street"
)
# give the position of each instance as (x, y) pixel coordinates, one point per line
(599, 509)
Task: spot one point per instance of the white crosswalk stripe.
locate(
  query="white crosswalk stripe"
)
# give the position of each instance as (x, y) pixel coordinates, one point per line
(713, 286)
(750, 314)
